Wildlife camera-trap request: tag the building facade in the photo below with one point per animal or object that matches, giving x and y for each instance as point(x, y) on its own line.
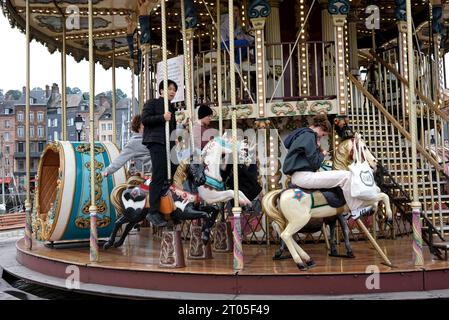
point(38, 135)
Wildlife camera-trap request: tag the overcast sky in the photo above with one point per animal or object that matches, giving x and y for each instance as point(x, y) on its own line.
point(45, 67)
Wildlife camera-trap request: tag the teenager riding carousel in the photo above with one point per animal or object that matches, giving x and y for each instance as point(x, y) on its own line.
point(305, 157)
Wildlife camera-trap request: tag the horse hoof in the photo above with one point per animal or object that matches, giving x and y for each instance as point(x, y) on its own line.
point(107, 245)
point(301, 266)
point(280, 255)
point(311, 263)
point(118, 244)
point(205, 236)
point(350, 255)
point(334, 254)
point(277, 255)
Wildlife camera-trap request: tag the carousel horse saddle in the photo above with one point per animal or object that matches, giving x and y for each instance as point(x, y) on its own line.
point(332, 197)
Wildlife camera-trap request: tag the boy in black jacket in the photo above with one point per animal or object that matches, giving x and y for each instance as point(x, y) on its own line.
point(154, 118)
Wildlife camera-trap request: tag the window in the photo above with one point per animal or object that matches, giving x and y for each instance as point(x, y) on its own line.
point(20, 131)
point(20, 116)
point(40, 131)
point(31, 131)
point(103, 137)
point(7, 149)
point(41, 146)
point(55, 123)
point(6, 136)
point(71, 121)
point(40, 116)
point(103, 126)
point(31, 116)
point(20, 147)
point(7, 124)
point(6, 111)
point(7, 161)
point(56, 138)
point(49, 123)
point(20, 164)
point(110, 137)
point(109, 126)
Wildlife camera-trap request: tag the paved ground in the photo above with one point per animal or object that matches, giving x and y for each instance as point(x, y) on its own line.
point(12, 288)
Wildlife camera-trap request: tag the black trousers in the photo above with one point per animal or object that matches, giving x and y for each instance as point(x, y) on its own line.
point(158, 174)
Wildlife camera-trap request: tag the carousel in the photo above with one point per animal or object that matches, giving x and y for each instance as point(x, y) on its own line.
point(375, 68)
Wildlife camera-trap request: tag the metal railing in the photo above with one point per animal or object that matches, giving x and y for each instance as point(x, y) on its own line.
point(309, 73)
point(389, 139)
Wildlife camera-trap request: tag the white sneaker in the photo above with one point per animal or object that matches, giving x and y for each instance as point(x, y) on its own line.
point(359, 212)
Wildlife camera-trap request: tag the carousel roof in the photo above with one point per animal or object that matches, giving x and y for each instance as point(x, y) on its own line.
point(47, 17)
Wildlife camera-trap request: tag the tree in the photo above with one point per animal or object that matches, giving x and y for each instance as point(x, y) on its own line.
point(13, 95)
point(74, 90)
point(119, 95)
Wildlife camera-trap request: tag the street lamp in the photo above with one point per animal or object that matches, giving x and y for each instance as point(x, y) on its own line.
point(79, 124)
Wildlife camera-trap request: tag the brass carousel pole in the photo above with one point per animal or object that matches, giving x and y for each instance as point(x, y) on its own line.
point(28, 239)
point(258, 16)
point(131, 108)
point(236, 210)
point(416, 205)
point(187, 36)
point(133, 84)
point(165, 77)
point(63, 85)
point(219, 84)
point(93, 206)
point(114, 102)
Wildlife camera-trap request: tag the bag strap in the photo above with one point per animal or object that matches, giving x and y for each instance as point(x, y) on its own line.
point(355, 153)
point(362, 153)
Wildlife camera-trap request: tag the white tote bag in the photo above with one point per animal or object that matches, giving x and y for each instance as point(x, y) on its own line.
point(363, 186)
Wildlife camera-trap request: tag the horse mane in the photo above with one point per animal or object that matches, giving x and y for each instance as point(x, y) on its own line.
point(181, 174)
point(135, 180)
point(116, 198)
point(116, 194)
point(343, 157)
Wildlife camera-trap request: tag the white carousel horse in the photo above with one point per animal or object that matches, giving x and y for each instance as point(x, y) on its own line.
point(313, 226)
point(213, 191)
point(297, 207)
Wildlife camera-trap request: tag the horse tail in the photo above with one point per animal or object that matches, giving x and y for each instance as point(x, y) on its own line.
point(269, 206)
point(116, 198)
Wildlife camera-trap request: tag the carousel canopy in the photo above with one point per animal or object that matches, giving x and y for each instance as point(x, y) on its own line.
point(48, 16)
point(110, 25)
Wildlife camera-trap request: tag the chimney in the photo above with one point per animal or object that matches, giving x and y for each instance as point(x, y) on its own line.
point(55, 88)
point(104, 101)
point(47, 91)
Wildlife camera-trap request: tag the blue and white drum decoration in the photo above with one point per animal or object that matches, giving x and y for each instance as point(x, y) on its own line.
point(62, 199)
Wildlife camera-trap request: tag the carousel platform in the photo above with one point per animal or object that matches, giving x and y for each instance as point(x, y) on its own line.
point(133, 271)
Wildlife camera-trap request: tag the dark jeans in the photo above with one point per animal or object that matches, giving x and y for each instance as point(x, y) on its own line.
point(159, 174)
